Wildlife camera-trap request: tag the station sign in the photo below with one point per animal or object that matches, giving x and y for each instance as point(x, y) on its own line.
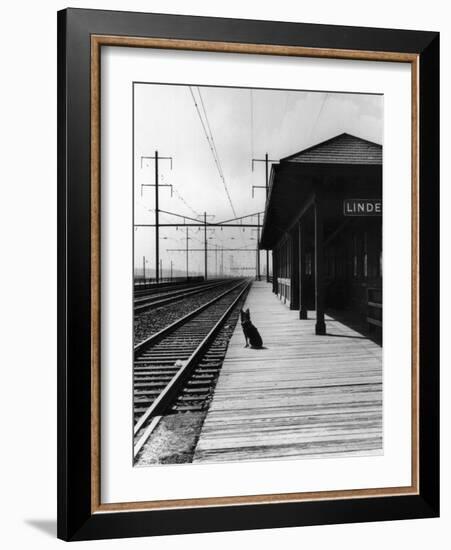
point(362, 207)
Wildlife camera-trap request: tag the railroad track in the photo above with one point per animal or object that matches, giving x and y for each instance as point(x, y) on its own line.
point(176, 369)
point(145, 303)
point(161, 289)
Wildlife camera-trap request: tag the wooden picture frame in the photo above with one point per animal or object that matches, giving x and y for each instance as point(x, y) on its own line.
point(81, 35)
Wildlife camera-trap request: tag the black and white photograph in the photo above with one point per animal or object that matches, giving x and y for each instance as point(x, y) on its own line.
point(257, 274)
point(225, 282)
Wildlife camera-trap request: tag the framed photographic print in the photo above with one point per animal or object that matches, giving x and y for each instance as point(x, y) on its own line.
point(248, 274)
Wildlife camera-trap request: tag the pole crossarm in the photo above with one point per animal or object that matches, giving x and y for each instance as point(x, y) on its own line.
point(213, 224)
point(263, 160)
point(159, 185)
point(267, 162)
point(203, 249)
point(186, 217)
point(155, 157)
point(210, 225)
point(240, 218)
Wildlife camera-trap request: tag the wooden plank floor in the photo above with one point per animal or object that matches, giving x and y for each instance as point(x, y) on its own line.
point(303, 396)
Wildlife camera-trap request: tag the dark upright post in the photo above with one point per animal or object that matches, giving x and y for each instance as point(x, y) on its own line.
point(157, 222)
point(302, 274)
point(187, 272)
point(294, 283)
point(275, 267)
point(320, 327)
point(267, 185)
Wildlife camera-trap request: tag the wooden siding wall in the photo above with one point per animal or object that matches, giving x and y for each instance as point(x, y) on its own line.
point(284, 269)
point(353, 265)
point(352, 268)
point(294, 241)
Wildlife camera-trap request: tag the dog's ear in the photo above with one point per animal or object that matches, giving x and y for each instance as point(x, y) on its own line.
point(248, 311)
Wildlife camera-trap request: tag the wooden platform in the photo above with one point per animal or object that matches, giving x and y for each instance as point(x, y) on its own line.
point(303, 396)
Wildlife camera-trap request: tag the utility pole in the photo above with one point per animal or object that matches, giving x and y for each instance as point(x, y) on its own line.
point(157, 219)
point(205, 243)
point(157, 185)
point(266, 160)
point(171, 270)
point(199, 223)
point(144, 269)
point(187, 238)
point(221, 249)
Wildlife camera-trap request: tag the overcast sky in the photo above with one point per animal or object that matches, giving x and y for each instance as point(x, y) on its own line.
point(245, 124)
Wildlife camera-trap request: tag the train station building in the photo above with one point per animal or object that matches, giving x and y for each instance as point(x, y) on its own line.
point(323, 224)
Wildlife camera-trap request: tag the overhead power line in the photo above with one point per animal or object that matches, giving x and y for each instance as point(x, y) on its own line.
point(180, 197)
point(211, 143)
point(312, 133)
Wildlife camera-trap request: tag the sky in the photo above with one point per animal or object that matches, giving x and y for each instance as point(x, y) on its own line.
point(184, 122)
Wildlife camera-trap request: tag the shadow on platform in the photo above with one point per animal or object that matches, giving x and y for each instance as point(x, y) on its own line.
point(303, 396)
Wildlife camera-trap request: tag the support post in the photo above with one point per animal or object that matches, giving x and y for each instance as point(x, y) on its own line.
point(320, 327)
point(302, 276)
point(258, 250)
point(157, 222)
point(187, 272)
point(294, 286)
point(275, 270)
point(267, 189)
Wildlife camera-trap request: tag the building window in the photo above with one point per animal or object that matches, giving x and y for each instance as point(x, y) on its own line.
point(365, 255)
point(355, 259)
point(308, 263)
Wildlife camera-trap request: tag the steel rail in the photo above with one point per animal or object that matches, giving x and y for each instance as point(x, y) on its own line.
point(166, 397)
point(154, 288)
point(151, 340)
point(176, 295)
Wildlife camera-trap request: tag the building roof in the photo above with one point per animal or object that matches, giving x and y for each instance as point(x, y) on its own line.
point(342, 163)
point(341, 149)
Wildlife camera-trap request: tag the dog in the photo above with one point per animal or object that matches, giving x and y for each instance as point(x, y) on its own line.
point(251, 333)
